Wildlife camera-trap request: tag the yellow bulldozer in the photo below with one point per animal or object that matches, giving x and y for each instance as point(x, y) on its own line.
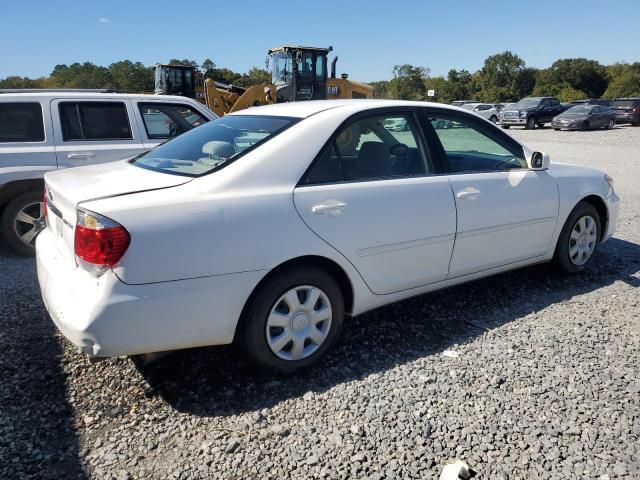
point(297, 73)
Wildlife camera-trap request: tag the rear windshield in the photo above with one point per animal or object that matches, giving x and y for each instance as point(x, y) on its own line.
point(211, 146)
point(625, 103)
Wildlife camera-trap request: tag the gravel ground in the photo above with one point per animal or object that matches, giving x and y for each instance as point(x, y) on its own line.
point(545, 384)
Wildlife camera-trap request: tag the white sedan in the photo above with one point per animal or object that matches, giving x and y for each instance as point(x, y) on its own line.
point(270, 225)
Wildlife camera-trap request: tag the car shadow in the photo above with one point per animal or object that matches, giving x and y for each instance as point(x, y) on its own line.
point(37, 438)
point(218, 381)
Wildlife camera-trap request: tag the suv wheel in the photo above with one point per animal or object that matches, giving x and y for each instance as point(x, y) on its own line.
point(293, 320)
point(22, 220)
point(531, 123)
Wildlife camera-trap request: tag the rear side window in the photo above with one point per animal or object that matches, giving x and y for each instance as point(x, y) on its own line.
point(21, 122)
point(94, 121)
point(168, 120)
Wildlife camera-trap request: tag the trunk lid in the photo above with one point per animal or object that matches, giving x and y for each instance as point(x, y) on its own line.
point(68, 188)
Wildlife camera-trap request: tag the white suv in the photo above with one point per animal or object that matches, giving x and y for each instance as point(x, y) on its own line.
point(44, 130)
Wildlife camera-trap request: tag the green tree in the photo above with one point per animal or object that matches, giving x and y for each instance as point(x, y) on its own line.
point(131, 77)
point(624, 80)
point(439, 85)
point(381, 89)
point(408, 82)
point(581, 74)
point(207, 65)
point(85, 75)
point(255, 76)
point(22, 82)
point(460, 86)
point(500, 77)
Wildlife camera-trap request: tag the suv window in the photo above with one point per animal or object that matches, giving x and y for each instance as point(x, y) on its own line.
point(168, 120)
point(21, 122)
point(380, 146)
point(94, 121)
point(554, 103)
point(472, 148)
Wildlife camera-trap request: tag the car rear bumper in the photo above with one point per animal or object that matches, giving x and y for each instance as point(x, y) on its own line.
point(105, 317)
point(566, 127)
point(627, 118)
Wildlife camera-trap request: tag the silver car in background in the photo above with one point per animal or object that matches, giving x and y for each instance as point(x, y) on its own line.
point(485, 110)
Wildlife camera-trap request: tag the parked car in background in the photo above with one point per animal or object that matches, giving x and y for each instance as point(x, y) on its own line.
point(395, 124)
point(459, 103)
point(585, 117)
point(485, 110)
point(45, 130)
point(593, 101)
point(627, 110)
point(210, 238)
point(531, 112)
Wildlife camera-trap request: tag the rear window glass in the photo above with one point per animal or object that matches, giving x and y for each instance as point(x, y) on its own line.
point(213, 145)
point(625, 103)
point(94, 121)
point(21, 122)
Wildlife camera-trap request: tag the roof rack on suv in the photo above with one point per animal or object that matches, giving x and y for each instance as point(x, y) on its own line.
point(46, 90)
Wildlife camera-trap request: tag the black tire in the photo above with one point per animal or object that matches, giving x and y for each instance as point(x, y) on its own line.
point(531, 123)
point(253, 328)
point(493, 119)
point(540, 126)
point(556, 129)
point(506, 127)
point(561, 258)
point(8, 222)
point(611, 124)
point(584, 126)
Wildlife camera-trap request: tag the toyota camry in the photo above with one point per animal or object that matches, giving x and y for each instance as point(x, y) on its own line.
point(269, 226)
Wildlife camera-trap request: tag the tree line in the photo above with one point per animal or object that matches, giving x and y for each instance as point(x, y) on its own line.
point(504, 77)
point(128, 76)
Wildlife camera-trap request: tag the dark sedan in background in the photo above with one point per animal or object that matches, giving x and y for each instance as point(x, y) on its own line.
point(585, 117)
point(627, 110)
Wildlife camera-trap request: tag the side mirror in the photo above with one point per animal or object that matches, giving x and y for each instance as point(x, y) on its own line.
point(539, 161)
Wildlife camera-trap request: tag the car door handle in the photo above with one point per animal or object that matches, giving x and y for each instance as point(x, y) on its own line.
point(470, 193)
point(330, 207)
point(80, 156)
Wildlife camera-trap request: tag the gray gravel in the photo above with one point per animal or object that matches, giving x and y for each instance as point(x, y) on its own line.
point(546, 383)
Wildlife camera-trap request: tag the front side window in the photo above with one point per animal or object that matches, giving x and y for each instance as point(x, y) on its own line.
point(94, 121)
point(214, 145)
point(377, 147)
point(169, 120)
point(473, 148)
point(21, 122)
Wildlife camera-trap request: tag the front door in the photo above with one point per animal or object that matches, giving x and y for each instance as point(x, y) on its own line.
point(372, 196)
point(506, 211)
point(94, 131)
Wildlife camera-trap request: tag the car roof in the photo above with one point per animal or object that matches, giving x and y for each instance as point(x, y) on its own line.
point(311, 107)
point(90, 94)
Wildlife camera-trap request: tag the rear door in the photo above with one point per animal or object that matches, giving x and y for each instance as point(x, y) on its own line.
point(506, 212)
point(372, 195)
point(94, 130)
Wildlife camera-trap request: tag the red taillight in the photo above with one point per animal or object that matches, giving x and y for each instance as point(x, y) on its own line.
point(99, 242)
point(44, 206)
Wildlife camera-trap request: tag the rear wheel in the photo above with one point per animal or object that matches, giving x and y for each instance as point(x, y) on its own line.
point(531, 123)
point(22, 220)
point(611, 124)
point(293, 320)
point(579, 239)
point(493, 119)
point(506, 127)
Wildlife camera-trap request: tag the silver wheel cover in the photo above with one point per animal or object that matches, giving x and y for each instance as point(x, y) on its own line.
point(29, 222)
point(583, 239)
point(299, 323)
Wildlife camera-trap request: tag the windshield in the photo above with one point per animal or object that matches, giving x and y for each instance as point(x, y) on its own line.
point(528, 102)
point(213, 145)
point(580, 110)
point(470, 106)
point(281, 68)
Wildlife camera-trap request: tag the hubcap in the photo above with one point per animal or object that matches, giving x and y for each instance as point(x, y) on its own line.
point(29, 222)
point(582, 241)
point(299, 323)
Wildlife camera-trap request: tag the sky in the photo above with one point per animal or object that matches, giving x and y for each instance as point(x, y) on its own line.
point(369, 37)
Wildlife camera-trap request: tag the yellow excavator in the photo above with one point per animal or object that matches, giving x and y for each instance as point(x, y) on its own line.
point(297, 73)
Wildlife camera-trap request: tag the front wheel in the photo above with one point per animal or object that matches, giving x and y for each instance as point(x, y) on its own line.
point(584, 126)
point(506, 127)
point(493, 119)
point(22, 220)
point(579, 239)
point(610, 125)
point(531, 123)
point(293, 320)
